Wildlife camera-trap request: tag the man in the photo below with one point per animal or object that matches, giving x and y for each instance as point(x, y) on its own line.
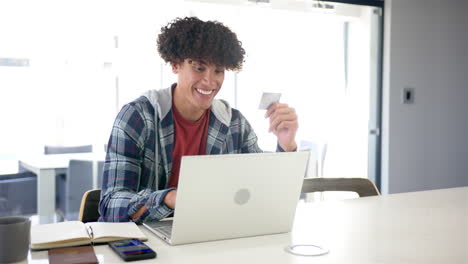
point(152, 133)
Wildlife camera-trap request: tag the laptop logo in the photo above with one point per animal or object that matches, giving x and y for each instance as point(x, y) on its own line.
point(242, 196)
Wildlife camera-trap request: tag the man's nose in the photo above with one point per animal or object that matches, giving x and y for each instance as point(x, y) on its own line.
point(209, 80)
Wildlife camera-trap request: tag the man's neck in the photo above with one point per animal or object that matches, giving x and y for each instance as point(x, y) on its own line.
point(185, 109)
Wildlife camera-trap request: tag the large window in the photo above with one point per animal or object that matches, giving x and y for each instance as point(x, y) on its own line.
point(88, 58)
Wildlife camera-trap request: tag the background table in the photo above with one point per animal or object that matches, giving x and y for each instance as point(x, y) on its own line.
point(47, 167)
point(420, 227)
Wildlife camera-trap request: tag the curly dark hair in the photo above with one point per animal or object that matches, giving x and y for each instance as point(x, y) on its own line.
point(192, 38)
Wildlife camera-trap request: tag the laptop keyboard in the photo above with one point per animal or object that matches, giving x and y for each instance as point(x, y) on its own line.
point(165, 230)
point(164, 227)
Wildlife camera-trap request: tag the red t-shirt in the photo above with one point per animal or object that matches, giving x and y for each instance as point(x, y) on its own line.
point(190, 139)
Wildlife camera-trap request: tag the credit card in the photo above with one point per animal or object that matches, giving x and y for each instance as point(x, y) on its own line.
point(268, 99)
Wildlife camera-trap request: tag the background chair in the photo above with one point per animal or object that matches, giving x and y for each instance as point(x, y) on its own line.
point(320, 152)
point(89, 208)
point(18, 194)
point(315, 167)
point(61, 179)
point(67, 149)
point(78, 180)
point(362, 186)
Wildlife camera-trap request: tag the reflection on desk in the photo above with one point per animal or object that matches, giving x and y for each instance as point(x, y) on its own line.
point(420, 227)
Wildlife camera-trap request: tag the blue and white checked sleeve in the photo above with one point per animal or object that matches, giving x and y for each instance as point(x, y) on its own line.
point(127, 183)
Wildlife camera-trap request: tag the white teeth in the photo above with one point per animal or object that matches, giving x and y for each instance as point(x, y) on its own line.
point(204, 91)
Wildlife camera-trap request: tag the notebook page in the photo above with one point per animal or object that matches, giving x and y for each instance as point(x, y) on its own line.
point(56, 232)
point(103, 232)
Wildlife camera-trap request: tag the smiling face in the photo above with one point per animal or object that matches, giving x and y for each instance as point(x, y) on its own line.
point(197, 85)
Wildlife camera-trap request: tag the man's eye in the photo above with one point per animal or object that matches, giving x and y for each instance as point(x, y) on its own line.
point(200, 69)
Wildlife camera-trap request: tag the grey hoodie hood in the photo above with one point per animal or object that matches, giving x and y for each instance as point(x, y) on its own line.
point(161, 100)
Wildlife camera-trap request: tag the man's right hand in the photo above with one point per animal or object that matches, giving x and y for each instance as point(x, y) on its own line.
point(170, 199)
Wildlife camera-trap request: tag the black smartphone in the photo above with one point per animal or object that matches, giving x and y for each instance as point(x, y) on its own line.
point(132, 249)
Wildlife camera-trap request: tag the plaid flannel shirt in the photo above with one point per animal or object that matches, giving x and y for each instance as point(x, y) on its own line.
point(130, 179)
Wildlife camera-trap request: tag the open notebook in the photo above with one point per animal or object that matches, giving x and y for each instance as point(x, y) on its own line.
point(75, 233)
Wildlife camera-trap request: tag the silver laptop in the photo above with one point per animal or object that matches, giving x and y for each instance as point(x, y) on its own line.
point(235, 195)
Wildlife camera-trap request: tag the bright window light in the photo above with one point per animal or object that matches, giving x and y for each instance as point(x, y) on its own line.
point(88, 58)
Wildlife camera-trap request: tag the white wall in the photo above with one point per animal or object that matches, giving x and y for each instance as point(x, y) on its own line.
point(425, 144)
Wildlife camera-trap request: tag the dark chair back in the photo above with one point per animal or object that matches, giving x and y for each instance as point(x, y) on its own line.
point(18, 194)
point(89, 209)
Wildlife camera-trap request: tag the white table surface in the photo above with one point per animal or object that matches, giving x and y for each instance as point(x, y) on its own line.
point(47, 167)
point(421, 227)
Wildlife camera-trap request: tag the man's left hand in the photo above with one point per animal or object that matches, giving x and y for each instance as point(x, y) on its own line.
point(283, 123)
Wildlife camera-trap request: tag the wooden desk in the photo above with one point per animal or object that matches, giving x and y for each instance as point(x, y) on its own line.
point(420, 227)
point(47, 167)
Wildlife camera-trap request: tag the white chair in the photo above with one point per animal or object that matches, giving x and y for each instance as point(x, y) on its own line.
point(320, 152)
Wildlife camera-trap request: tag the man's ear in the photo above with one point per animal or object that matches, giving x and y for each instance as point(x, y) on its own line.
point(175, 67)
